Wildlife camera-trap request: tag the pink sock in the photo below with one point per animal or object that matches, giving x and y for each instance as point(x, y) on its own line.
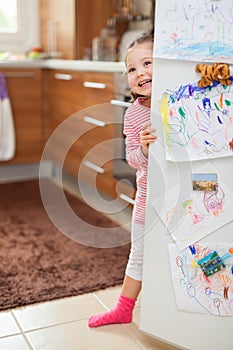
point(121, 313)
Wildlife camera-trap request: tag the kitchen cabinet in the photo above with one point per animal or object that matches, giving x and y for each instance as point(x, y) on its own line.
point(75, 107)
point(81, 118)
point(76, 23)
point(24, 90)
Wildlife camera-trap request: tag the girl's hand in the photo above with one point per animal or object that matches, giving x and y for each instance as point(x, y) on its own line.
point(147, 137)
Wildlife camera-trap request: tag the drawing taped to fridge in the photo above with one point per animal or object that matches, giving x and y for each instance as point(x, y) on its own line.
point(194, 30)
point(193, 215)
point(197, 291)
point(197, 122)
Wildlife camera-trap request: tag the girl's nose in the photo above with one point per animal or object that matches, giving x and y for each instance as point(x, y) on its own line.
point(140, 72)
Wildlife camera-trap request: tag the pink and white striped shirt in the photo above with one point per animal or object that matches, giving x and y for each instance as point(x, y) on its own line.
point(135, 117)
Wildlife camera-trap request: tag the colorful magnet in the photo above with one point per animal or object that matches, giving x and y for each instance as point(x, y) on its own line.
point(211, 264)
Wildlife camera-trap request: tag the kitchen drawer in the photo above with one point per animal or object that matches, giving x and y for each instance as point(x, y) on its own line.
point(82, 89)
point(102, 181)
point(99, 87)
point(96, 165)
point(99, 81)
point(71, 92)
point(67, 87)
point(84, 131)
point(95, 145)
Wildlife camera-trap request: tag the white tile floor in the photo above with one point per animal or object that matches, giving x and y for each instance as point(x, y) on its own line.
point(62, 324)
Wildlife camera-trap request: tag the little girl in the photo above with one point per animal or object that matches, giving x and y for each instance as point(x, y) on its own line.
point(139, 135)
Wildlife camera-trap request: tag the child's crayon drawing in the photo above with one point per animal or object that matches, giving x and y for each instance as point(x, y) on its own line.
point(197, 123)
point(191, 216)
point(195, 30)
point(196, 292)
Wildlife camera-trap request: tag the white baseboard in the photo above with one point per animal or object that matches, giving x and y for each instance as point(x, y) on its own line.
point(23, 172)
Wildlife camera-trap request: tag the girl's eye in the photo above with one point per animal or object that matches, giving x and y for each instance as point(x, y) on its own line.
point(147, 63)
point(131, 70)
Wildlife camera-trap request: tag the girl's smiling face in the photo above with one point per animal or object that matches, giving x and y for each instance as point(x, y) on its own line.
point(139, 62)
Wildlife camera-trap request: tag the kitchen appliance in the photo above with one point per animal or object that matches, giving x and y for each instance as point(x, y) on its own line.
point(198, 321)
point(138, 18)
point(127, 38)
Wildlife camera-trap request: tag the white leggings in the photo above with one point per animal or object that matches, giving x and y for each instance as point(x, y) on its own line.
point(135, 262)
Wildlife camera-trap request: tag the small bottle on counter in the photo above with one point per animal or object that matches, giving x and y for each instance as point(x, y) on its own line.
point(104, 48)
point(98, 49)
point(87, 54)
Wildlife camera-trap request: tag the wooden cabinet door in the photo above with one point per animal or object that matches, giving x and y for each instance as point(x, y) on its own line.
point(91, 16)
point(66, 95)
point(98, 88)
point(77, 22)
point(61, 14)
point(24, 90)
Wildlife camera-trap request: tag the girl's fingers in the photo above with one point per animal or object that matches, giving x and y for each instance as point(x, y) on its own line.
point(145, 126)
point(147, 132)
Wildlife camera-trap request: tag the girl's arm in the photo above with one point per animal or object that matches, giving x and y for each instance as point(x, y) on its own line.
point(137, 144)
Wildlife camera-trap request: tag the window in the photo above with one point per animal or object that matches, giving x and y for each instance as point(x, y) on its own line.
point(8, 16)
point(19, 25)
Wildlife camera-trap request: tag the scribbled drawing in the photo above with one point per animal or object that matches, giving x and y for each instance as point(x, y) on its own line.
point(196, 217)
point(197, 214)
point(194, 30)
point(214, 201)
point(196, 292)
point(197, 123)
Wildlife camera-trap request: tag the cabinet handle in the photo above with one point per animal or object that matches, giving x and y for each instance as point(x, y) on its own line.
point(126, 198)
point(91, 84)
point(94, 167)
point(19, 74)
point(61, 76)
point(94, 121)
point(120, 103)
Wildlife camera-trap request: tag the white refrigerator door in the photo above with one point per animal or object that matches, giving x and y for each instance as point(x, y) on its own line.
point(160, 316)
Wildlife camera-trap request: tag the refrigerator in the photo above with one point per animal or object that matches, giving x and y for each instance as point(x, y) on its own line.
point(187, 293)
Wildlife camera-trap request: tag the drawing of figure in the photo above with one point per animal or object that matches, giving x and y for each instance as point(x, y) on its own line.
point(206, 104)
point(214, 201)
point(215, 125)
point(191, 9)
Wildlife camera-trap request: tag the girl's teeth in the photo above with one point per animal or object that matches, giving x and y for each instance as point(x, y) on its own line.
point(145, 82)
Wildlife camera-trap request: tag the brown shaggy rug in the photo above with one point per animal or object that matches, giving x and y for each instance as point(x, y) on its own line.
point(39, 263)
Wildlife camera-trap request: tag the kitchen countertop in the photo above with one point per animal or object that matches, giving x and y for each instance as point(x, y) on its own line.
point(27, 63)
point(74, 65)
point(86, 65)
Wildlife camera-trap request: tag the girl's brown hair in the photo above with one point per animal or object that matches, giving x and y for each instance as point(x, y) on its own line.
point(141, 40)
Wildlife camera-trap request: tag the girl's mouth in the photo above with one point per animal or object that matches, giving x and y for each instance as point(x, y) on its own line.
point(145, 82)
